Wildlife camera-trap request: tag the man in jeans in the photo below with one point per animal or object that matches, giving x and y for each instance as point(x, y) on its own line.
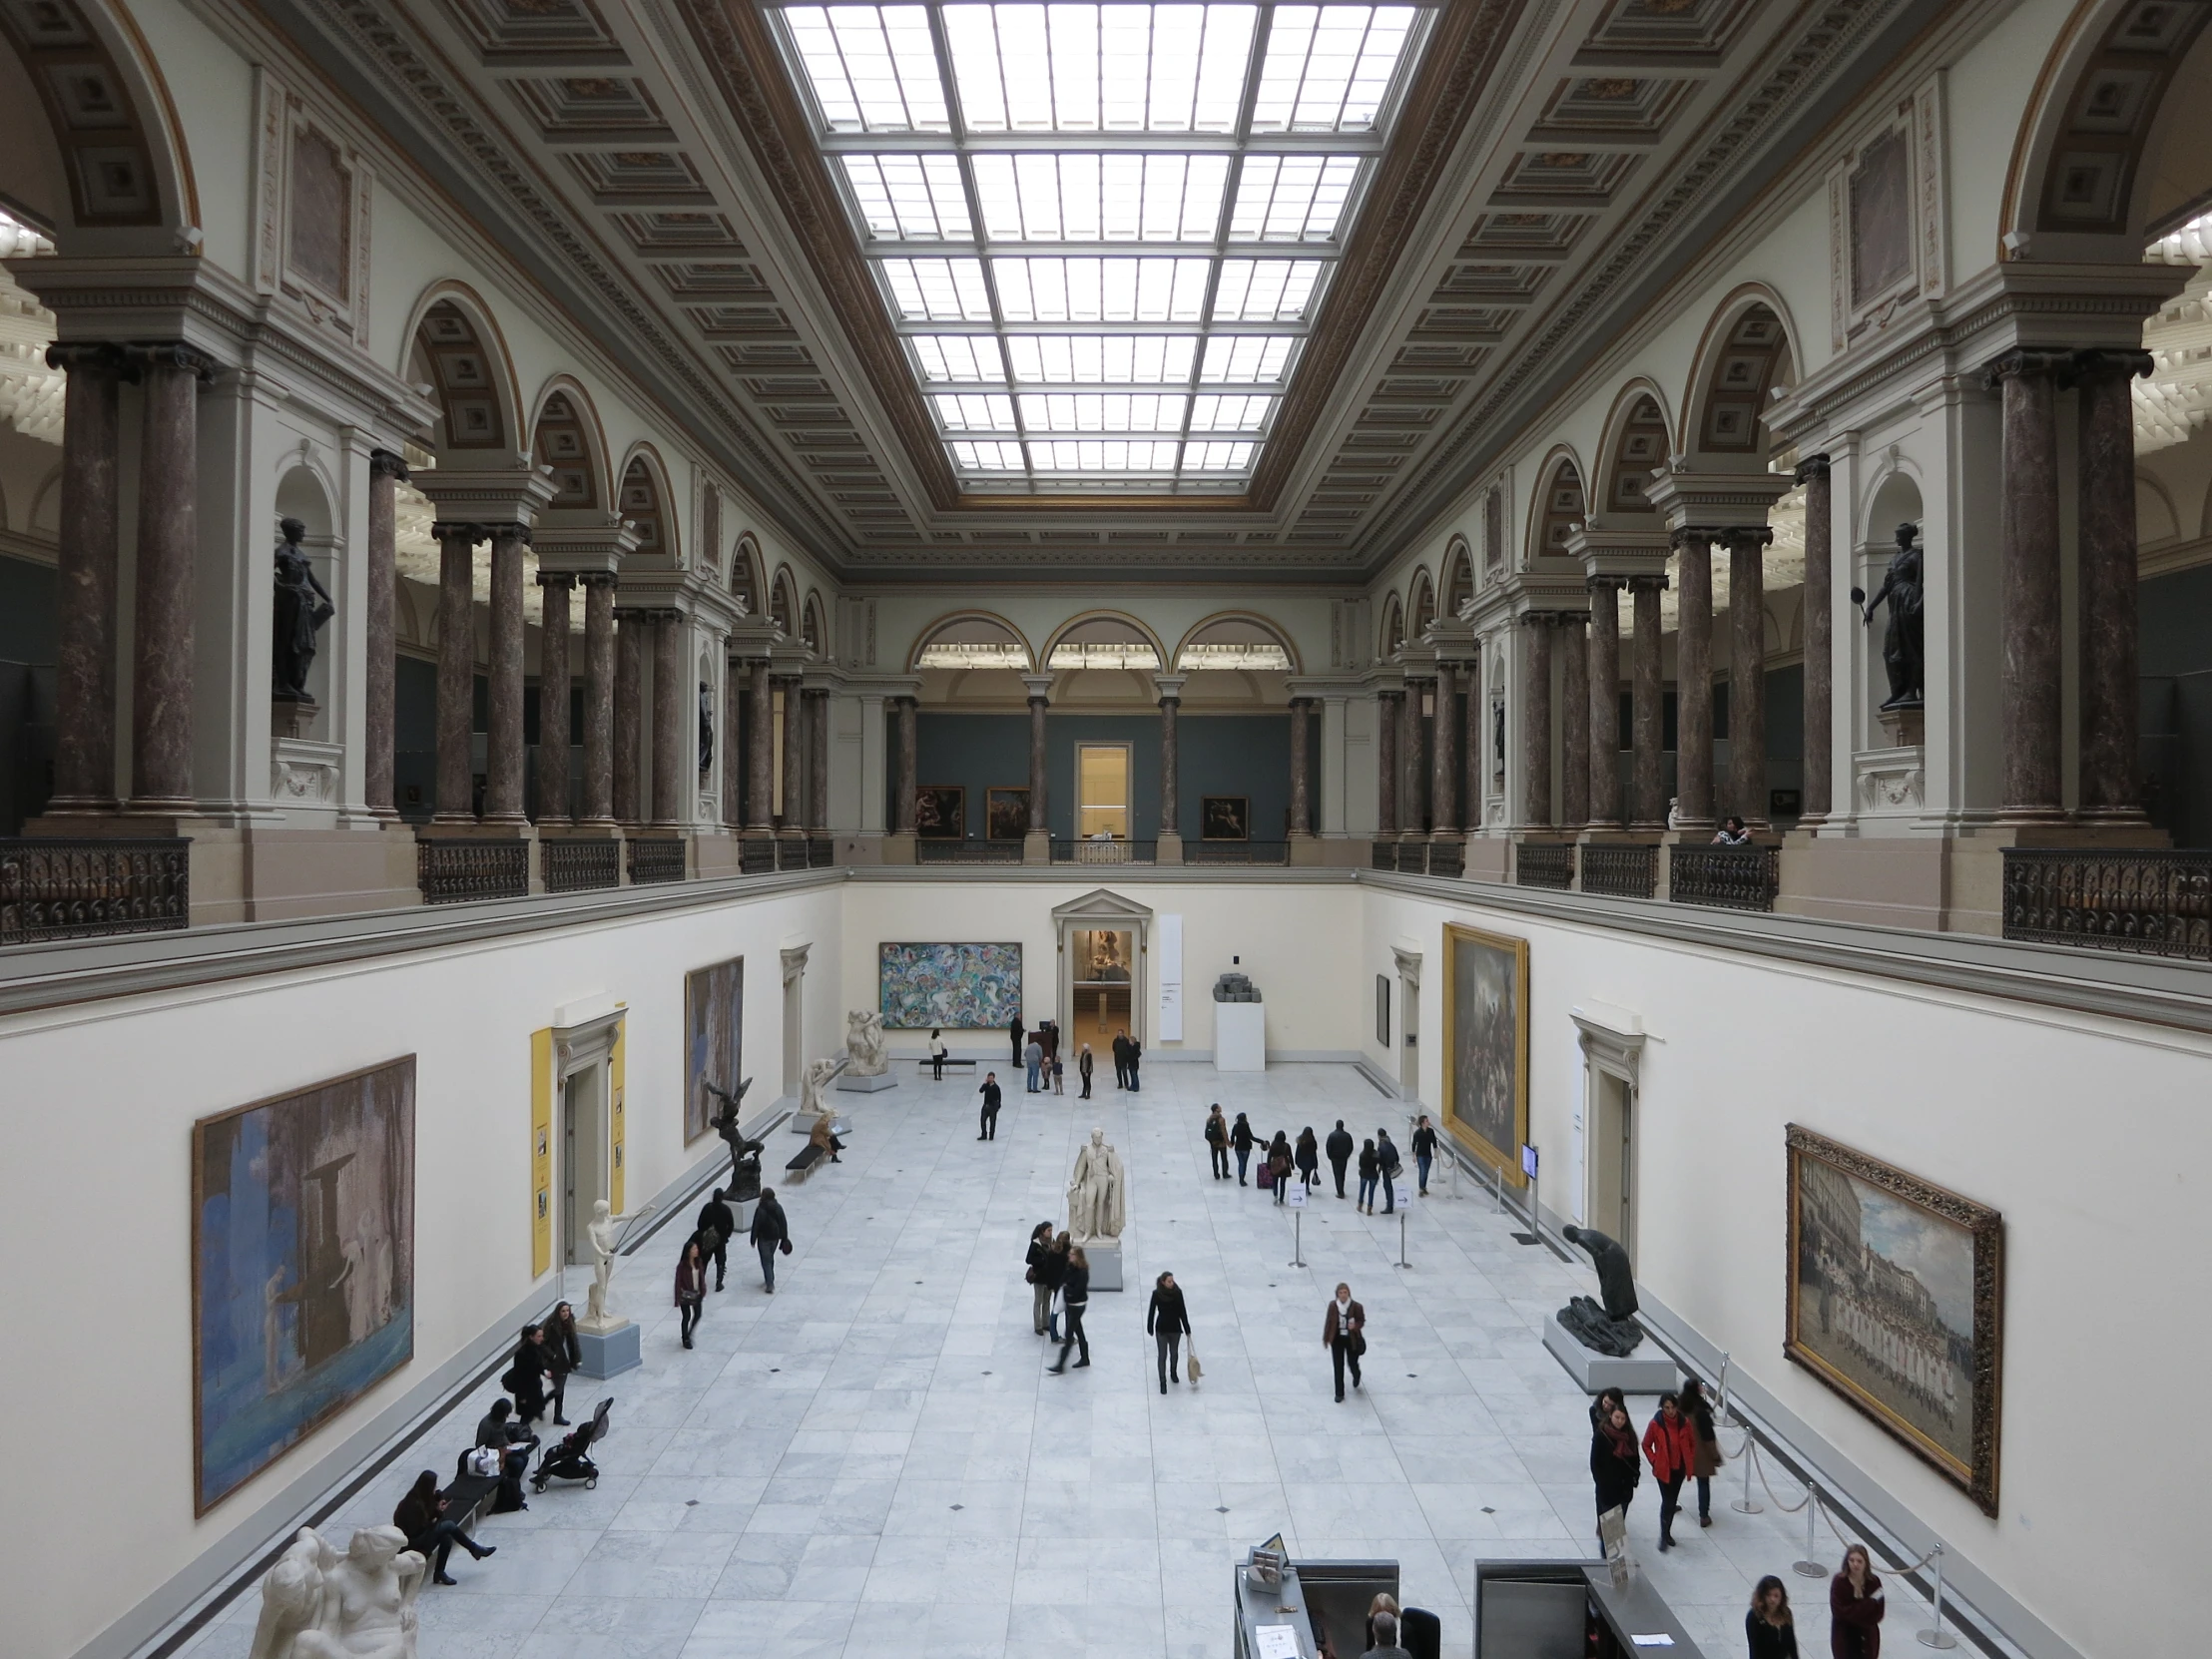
point(1386, 1151)
point(771, 1232)
point(1033, 1058)
point(1424, 1151)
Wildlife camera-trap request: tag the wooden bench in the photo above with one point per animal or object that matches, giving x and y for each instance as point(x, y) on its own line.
point(949, 1063)
point(467, 1497)
point(807, 1156)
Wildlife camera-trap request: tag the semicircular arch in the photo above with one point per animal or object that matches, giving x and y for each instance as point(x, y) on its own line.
point(1221, 627)
point(645, 500)
point(978, 628)
point(1636, 438)
point(1750, 346)
point(567, 435)
point(1559, 503)
point(454, 343)
point(1102, 627)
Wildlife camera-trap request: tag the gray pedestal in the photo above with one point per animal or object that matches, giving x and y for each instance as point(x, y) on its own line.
point(611, 1352)
point(1646, 1371)
point(1105, 1259)
point(850, 1084)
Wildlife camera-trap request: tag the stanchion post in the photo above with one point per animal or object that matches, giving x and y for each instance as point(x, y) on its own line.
point(1720, 1407)
point(1298, 1238)
point(1401, 1261)
point(1938, 1637)
point(1810, 1568)
point(1747, 1504)
point(1497, 1190)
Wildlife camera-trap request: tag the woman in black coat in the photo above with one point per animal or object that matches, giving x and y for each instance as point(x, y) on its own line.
point(1308, 1156)
point(1769, 1631)
point(1166, 1322)
point(1075, 1292)
point(1280, 1164)
point(1370, 1171)
point(422, 1516)
point(1243, 1139)
point(1040, 1288)
point(524, 1376)
point(563, 1354)
point(1616, 1465)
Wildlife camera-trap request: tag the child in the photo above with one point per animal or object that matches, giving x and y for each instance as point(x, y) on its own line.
point(1058, 1071)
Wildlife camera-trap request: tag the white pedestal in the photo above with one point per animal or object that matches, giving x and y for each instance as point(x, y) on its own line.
point(1240, 1036)
point(851, 1084)
point(1649, 1371)
point(1105, 1258)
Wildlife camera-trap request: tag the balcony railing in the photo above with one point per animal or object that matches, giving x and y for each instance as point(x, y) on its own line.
point(1412, 858)
point(656, 859)
point(927, 851)
point(2148, 902)
point(1447, 857)
point(1236, 853)
point(757, 855)
point(1732, 877)
point(56, 889)
point(1383, 854)
point(822, 851)
point(578, 864)
point(1544, 864)
point(1622, 871)
point(456, 871)
point(1105, 853)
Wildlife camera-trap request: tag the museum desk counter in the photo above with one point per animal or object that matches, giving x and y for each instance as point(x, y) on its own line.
point(1571, 1610)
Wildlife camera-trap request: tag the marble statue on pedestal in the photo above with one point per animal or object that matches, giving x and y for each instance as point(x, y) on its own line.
point(602, 1232)
point(863, 1044)
point(1612, 1327)
point(1097, 1193)
point(815, 1082)
point(317, 1604)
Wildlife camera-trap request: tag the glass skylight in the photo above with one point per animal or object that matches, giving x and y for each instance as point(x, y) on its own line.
point(1103, 231)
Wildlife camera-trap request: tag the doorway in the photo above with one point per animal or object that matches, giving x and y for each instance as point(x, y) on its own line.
point(1102, 791)
point(794, 981)
point(1408, 1032)
point(1102, 958)
point(582, 1158)
point(1612, 1207)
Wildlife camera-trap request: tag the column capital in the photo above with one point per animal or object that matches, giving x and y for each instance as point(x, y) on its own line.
point(2106, 363)
point(1812, 467)
point(558, 578)
point(1168, 688)
point(104, 355)
point(460, 530)
point(145, 354)
point(508, 530)
point(2023, 361)
point(383, 463)
point(1656, 582)
point(595, 578)
point(1038, 686)
point(1606, 583)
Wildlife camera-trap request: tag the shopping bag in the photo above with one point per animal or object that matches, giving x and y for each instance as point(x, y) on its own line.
point(1190, 1362)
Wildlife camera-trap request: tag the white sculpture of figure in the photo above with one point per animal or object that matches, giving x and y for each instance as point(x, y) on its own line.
point(1097, 1193)
point(864, 1043)
point(291, 1595)
point(602, 1232)
point(814, 1082)
point(317, 1604)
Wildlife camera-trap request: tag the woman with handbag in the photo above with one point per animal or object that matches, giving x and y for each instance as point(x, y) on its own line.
point(1343, 1333)
point(1615, 1465)
point(1040, 1287)
point(691, 1285)
point(1167, 1322)
point(563, 1355)
point(1076, 1292)
point(770, 1233)
point(1280, 1164)
point(1707, 1462)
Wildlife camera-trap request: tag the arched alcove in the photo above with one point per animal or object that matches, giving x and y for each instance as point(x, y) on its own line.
point(1558, 507)
point(1745, 354)
point(1393, 633)
point(567, 437)
point(1459, 583)
point(302, 494)
point(1635, 444)
point(457, 350)
point(647, 504)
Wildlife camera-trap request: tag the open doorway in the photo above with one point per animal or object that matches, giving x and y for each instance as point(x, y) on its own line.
point(1102, 958)
point(794, 981)
point(1409, 1025)
point(1612, 1197)
point(582, 1158)
point(1102, 791)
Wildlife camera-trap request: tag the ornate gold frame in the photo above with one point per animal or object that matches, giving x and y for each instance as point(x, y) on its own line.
point(1505, 1160)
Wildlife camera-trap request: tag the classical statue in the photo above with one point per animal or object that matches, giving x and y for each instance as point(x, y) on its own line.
point(814, 1083)
point(706, 727)
point(317, 1604)
point(302, 606)
point(1902, 649)
point(864, 1043)
point(1612, 1327)
point(603, 1233)
point(1098, 1193)
point(745, 1155)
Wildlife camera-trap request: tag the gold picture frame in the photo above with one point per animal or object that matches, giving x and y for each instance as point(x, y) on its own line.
point(1486, 1014)
point(1896, 1300)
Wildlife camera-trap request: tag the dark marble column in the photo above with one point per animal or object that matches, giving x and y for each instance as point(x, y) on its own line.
point(1412, 756)
point(1819, 644)
point(457, 668)
point(1443, 783)
point(794, 759)
point(164, 591)
point(733, 723)
point(1386, 723)
point(1746, 672)
point(1605, 697)
point(818, 762)
point(503, 733)
point(2111, 786)
point(2029, 600)
point(553, 684)
point(631, 628)
point(379, 679)
point(1574, 720)
point(1039, 822)
point(1535, 813)
point(902, 775)
point(1302, 779)
point(1474, 741)
point(675, 763)
point(1171, 778)
point(599, 700)
point(1648, 804)
point(84, 712)
point(1693, 680)
point(760, 770)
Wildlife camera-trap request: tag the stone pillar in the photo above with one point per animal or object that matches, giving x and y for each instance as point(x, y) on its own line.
point(1535, 813)
point(673, 697)
point(759, 783)
point(457, 668)
point(599, 700)
point(733, 723)
point(1444, 762)
point(1386, 723)
point(1168, 849)
point(794, 759)
point(1412, 757)
point(1747, 673)
point(1037, 845)
point(1648, 804)
point(1473, 739)
point(1820, 645)
point(630, 633)
point(1574, 720)
point(84, 712)
point(1301, 770)
point(503, 739)
point(2111, 786)
point(553, 684)
point(165, 592)
point(2029, 601)
point(903, 768)
point(1693, 681)
point(818, 762)
point(1605, 695)
point(380, 680)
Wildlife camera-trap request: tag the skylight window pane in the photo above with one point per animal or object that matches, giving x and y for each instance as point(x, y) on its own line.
point(1291, 198)
point(1329, 68)
point(1090, 411)
point(1083, 289)
point(1102, 359)
point(958, 360)
point(1211, 414)
point(937, 290)
point(1120, 68)
point(987, 457)
point(1246, 359)
point(909, 198)
point(1102, 455)
point(1090, 198)
point(1217, 457)
point(871, 68)
point(1268, 291)
point(975, 411)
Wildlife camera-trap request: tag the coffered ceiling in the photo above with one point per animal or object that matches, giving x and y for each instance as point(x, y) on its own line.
point(666, 170)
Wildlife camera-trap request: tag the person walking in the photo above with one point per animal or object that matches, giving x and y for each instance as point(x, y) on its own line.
point(1370, 1171)
point(1242, 1138)
point(1121, 1059)
point(1075, 1292)
point(987, 1125)
point(1280, 1164)
point(1769, 1630)
point(421, 1517)
point(1136, 1053)
point(1424, 1151)
point(1166, 1322)
point(1217, 1141)
point(1386, 1160)
point(1308, 1156)
point(1855, 1608)
point(1670, 1446)
point(1343, 1333)
point(1033, 1058)
point(1055, 1280)
point(563, 1355)
point(1340, 1153)
point(1037, 1276)
point(936, 1055)
point(691, 1285)
point(1707, 1462)
point(1615, 1465)
point(715, 1217)
point(1083, 1064)
point(1014, 1030)
point(772, 1233)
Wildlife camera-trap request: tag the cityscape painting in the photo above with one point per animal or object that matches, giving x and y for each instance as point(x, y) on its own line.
point(951, 987)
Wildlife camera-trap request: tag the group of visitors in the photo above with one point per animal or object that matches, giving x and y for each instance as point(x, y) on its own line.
point(1059, 1276)
point(538, 1373)
point(708, 1244)
point(1281, 1160)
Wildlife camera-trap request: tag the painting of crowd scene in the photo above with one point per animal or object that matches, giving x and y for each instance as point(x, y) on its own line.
point(1486, 1044)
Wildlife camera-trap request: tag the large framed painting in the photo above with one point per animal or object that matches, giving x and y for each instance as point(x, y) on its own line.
point(1486, 1045)
point(952, 988)
point(1224, 818)
point(714, 1040)
point(940, 812)
point(1006, 813)
point(303, 1265)
point(1895, 1300)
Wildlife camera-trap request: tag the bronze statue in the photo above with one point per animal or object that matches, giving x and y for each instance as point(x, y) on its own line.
point(706, 727)
point(745, 1155)
point(1902, 648)
point(1611, 1329)
point(302, 606)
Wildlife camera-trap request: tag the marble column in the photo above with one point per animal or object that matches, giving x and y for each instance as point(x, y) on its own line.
point(1647, 809)
point(1412, 756)
point(902, 772)
point(1693, 681)
point(599, 700)
point(1574, 720)
point(1301, 770)
point(84, 705)
point(1386, 723)
point(1818, 796)
point(165, 592)
point(1474, 741)
point(675, 763)
point(553, 684)
point(2028, 612)
point(1171, 778)
point(1039, 822)
point(2111, 786)
point(630, 632)
point(759, 770)
point(1747, 673)
point(1443, 760)
point(818, 762)
point(379, 679)
point(794, 759)
point(456, 788)
point(733, 723)
point(1535, 813)
point(504, 731)
point(1605, 699)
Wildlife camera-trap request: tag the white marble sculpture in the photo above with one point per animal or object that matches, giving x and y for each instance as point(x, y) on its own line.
point(319, 1604)
point(815, 1082)
point(602, 1232)
point(863, 1044)
point(1098, 1193)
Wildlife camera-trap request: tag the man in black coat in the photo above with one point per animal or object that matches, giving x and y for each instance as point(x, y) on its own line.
point(1014, 1030)
point(1339, 1149)
point(1121, 1060)
point(990, 1094)
point(715, 1217)
point(770, 1233)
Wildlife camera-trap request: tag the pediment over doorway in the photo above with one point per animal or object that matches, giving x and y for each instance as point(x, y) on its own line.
point(1101, 905)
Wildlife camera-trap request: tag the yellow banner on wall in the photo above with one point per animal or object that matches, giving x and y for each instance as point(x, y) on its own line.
point(541, 1152)
point(617, 1118)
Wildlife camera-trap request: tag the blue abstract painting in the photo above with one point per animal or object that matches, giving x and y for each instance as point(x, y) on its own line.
point(303, 1265)
point(955, 987)
point(714, 1040)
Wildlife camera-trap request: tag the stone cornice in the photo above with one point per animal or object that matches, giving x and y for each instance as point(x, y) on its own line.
point(506, 496)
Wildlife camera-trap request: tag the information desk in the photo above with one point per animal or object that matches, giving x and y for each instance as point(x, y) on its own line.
point(1316, 1600)
point(1570, 1610)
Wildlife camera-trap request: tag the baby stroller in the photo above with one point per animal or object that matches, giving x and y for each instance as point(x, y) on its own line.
point(568, 1457)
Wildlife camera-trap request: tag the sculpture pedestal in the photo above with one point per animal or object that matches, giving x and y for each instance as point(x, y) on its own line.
point(607, 1349)
point(1240, 1036)
point(850, 1084)
point(1105, 1259)
point(1646, 1371)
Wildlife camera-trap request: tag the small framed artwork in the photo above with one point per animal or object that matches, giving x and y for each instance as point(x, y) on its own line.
point(940, 812)
point(1224, 818)
point(1382, 1010)
point(1006, 813)
point(1785, 803)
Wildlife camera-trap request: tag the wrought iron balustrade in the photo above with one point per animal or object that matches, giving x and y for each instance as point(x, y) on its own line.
point(822, 851)
point(757, 855)
point(54, 888)
point(1383, 854)
point(950, 852)
point(578, 864)
point(1731, 878)
point(453, 871)
point(2148, 901)
point(1447, 857)
point(1621, 871)
point(656, 859)
point(1118, 851)
point(1544, 864)
point(1236, 853)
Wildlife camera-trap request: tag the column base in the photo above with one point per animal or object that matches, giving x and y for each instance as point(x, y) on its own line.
point(1306, 851)
point(1036, 848)
point(1168, 850)
point(899, 848)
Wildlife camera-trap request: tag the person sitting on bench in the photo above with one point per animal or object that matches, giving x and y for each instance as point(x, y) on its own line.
point(422, 1516)
point(821, 1137)
point(514, 1443)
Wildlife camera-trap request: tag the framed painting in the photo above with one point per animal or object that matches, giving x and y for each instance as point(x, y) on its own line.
point(303, 1265)
point(1896, 1302)
point(1006, 813)
point(1485, 1082)
point(952, 988)
point(1382, 1010)
point(714, 1040)
point(1224, 818)
point(940, 812)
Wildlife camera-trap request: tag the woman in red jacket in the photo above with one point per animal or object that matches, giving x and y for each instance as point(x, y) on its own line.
point(1855, 1608)
point(1670, 1446)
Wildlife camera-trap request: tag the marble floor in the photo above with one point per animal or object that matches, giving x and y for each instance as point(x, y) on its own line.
point(873, 1461)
